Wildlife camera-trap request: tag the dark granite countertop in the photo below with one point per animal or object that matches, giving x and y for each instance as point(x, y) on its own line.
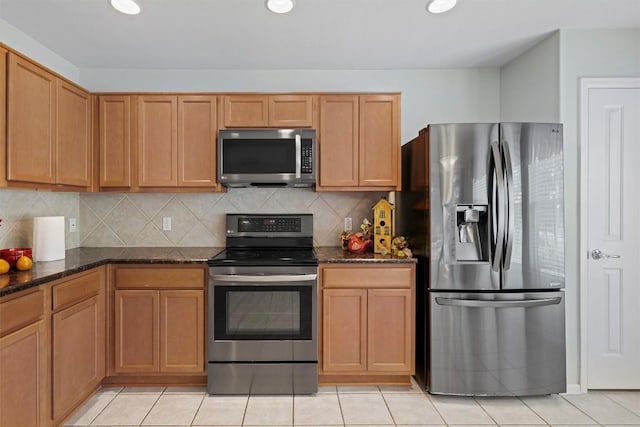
point(82, 259)
point(339, 255)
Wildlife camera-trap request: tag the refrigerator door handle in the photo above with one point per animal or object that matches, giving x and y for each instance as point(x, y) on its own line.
point(497, 203)
point(456, 302)
point(510, 228)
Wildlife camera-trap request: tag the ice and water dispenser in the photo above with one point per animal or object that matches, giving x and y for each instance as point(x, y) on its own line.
point(472, 242)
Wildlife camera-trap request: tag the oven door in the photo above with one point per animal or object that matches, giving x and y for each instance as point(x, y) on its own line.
point(263, 314)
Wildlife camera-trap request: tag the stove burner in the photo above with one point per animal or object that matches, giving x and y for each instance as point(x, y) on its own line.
point(259, 256)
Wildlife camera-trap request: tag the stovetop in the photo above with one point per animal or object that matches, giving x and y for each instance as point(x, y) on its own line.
point(267, 240)
point(265, 257)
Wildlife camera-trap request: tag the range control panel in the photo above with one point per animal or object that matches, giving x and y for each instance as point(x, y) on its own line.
point(269, 224)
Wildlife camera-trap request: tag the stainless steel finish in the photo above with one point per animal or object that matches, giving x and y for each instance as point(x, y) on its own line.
point(262, 305)
point(262, 378)
point(490, 319)
point(298, 156)
point(294, 179)
point(598, 254)
point(233, 220)
point(498, 349)
point(537, 193)
point(458, 179)
point(281, 278)
point(263, 350)
point(510, 204)
point(457, 302)
point(498, 203)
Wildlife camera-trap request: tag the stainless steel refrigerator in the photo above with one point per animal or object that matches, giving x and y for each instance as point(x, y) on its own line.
point(482, 205)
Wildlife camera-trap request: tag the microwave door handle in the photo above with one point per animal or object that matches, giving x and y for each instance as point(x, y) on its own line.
point(298, 156)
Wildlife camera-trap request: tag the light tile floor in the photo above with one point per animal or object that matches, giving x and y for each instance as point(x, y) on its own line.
point(353, 406)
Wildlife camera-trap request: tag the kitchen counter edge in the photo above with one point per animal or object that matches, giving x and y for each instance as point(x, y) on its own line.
point(78, 260)
point(339, 255)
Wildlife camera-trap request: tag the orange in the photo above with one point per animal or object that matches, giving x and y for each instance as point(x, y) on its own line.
point(4, 266)
point(24, 263)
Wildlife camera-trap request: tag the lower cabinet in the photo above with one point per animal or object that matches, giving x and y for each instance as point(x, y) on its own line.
point(23, 361)
point(78, 340)
point(159, 324)
point(368, 324)
point(159, 331)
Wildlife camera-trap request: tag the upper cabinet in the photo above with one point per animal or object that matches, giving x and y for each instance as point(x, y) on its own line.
point(48, 128)
point(73, 135)
point(359, 143)
point(115, 141)
point(158, 141)
point(31, 122)
point(197, 151)
point(55, 135)
point(177, 141)
point(287, 111)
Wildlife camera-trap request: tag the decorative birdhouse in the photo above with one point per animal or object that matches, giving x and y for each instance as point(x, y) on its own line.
point(382, 224)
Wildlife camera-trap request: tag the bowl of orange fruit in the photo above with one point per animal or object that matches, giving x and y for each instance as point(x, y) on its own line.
point(18, 258)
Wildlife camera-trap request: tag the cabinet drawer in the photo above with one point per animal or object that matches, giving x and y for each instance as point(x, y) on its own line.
point(367, 277)
point(76, 289)
point(21, 311)
point(171, 277)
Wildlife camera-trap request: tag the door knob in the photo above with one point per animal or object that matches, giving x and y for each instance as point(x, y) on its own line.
point(597, 254)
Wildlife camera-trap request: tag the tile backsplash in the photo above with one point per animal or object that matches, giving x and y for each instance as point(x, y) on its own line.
point(197, 219)
point(19, 207)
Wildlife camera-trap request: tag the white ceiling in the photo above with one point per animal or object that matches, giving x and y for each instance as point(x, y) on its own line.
point(318, 34)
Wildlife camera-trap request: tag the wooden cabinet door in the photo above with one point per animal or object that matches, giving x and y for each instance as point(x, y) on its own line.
point(197, 150)
point(115, 141)
point(379, 141)
point(390, 334)
point(78, 353)
point(73, 135)
point(136, 331)
point(31, 122)
point(246, 111)
point(23, 377)
point(182, 331)
point(290, 111)
point(157, 141)
point(3, 117)
point(344, 330)
point(338, 141)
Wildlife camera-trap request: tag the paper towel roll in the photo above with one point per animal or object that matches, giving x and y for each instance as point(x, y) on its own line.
point(48, 238)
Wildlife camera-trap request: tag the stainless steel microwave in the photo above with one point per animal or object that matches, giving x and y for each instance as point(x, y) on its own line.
point(267, 157)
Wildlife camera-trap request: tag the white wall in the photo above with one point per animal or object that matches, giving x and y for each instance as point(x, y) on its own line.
point(428, 96)
point(530, 84)
point(16, 39)
point(585, 53)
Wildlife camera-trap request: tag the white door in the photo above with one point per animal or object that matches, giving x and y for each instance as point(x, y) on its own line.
point(612, 282)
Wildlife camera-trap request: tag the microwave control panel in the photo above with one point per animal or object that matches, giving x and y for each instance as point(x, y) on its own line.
point(307, 156)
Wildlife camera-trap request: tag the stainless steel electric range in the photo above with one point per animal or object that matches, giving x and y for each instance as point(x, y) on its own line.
point(263, 307)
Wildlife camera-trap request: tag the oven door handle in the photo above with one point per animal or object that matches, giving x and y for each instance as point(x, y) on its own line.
point(262, 279)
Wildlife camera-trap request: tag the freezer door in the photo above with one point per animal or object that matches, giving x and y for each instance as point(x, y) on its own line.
point(460, 211)
point(533, 167)
point(497, 344)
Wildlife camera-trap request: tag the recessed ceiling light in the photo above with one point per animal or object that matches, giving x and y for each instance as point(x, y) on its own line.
point(280, 6)
point(130, 7)
point(440, 6)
